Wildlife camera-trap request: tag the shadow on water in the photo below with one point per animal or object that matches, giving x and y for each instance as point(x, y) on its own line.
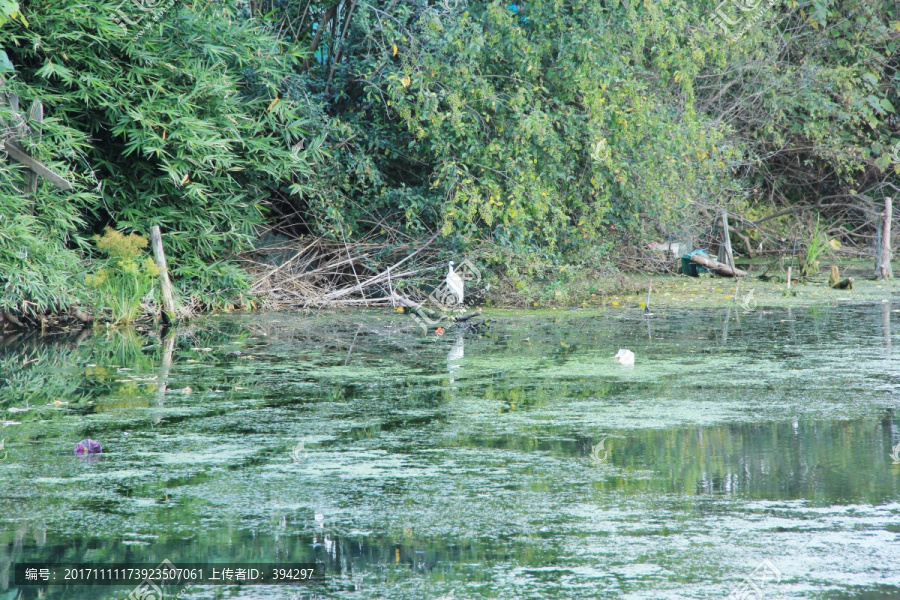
point(409, 466)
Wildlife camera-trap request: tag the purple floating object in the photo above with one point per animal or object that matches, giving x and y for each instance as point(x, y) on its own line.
point(88, 446)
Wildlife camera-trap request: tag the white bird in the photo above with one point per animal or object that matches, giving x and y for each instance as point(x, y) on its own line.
point(624, 357)
point(455, 283)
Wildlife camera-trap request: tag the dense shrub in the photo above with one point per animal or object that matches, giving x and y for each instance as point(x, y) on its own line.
point(181, 127)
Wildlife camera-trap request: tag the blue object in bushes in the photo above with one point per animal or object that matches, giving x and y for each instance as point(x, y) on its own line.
point(689, 267)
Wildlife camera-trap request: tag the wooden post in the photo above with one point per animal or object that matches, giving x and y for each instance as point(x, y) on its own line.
point(886, 271)
point(789, 276)
point(729, 256)
point(168, 312)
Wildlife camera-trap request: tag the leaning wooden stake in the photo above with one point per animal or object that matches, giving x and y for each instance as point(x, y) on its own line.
point(729, 255)
point(886, 272)
point(168, 312)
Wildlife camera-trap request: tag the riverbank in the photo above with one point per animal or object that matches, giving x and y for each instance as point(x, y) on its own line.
point(629, 290)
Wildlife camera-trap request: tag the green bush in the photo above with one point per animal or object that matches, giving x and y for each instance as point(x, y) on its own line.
point(182, 128)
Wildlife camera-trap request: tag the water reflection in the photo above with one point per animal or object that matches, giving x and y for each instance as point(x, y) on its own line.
point(741, 433)
point(455, 356)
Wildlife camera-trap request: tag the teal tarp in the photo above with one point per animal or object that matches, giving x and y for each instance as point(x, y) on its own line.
point(689, 267)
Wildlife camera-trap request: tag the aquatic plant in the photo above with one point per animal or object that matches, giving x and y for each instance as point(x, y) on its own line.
point(126, 277)
point(814, 249)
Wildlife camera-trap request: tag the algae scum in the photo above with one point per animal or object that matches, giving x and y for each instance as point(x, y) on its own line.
point(522, 463)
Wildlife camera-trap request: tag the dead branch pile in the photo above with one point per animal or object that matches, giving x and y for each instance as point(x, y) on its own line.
point(313, 272)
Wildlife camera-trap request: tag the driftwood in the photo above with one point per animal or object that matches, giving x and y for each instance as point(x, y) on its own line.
point(12, 319)
point(835, 276)
point(467, 316)
point(80, 315)
point(719, 268)
point(846, 284)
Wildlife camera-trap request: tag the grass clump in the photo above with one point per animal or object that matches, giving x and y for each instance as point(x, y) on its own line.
point(814, 250)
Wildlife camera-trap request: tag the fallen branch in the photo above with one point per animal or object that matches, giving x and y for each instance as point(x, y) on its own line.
point(467, 316)
point(720, 268)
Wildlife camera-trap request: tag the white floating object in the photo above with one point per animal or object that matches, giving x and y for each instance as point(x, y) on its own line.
point(624, 357)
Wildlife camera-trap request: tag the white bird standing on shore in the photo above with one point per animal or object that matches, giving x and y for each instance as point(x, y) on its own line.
point(455, 283)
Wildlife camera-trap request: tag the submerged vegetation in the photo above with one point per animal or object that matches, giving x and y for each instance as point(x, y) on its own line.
point(547, 140)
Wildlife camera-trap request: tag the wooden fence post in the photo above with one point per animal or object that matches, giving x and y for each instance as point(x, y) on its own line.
point(168, 311)
point(886, 270)
point(729, 256)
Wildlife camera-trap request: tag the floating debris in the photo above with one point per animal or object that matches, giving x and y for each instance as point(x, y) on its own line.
point(88, 446)
point(624, 357)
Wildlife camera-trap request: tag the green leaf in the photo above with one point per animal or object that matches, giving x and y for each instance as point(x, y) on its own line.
point(5, 63)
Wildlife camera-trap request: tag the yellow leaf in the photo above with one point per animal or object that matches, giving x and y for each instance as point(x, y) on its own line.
point(272, 104)
point(185, 180)
point(395, 50)
point(405, 80)
point(835, 244)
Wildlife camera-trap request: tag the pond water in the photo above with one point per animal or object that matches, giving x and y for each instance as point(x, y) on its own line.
point(740, 444)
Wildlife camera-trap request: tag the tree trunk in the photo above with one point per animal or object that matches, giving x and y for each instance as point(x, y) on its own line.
point(329, 14)
point(168, 312)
